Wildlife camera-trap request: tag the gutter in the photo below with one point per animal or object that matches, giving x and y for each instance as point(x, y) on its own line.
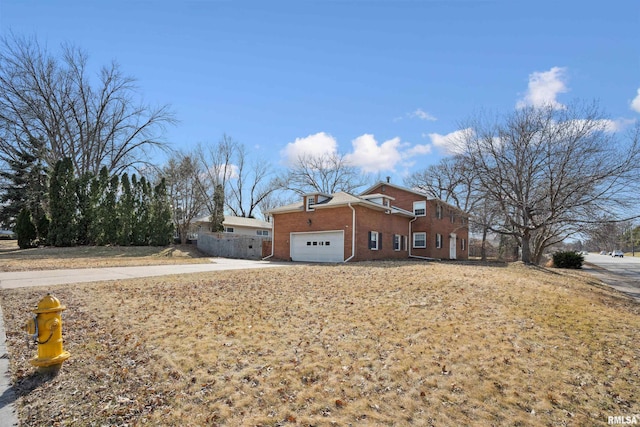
point(273, 239)
point(353, 234)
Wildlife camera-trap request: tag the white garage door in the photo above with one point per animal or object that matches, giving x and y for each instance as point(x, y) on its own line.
point(327, 246)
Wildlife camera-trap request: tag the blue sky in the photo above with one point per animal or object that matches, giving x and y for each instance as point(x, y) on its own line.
point(384, 82)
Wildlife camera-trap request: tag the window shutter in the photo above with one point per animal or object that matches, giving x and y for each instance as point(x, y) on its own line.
point(379, 241)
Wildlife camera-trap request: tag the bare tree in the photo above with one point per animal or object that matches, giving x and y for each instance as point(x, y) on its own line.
point(184, 188)
point(95, 122)
point(246, 182)
point(551, 171)
point(251, 186)
point(604, 234)
point(275, 199)
point(216, 162)
point(453, 181)
point(328, 173)
point(450, 180)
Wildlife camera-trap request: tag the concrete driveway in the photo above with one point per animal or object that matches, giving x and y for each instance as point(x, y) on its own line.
point(622, 274)
point(20, 279)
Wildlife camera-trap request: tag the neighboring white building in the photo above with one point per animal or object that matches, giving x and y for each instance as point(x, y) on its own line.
point(237, 225)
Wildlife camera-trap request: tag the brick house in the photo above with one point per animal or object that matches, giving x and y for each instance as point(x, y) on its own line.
point(384, 222)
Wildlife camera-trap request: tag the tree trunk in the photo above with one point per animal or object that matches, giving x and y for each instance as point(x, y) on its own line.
point(526, 247)
point(483, 245)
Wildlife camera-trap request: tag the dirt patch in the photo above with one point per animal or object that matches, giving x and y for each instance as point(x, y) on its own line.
point(12, 258)
point(393, 343)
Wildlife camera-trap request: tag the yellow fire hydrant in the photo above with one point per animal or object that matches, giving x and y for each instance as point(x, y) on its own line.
point(45, 328)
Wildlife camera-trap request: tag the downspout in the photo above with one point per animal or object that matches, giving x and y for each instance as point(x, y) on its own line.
point(273, 238)
point(353, 234)
point(411, 244)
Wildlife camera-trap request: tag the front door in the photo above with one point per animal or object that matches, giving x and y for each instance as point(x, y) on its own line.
point(452, 246)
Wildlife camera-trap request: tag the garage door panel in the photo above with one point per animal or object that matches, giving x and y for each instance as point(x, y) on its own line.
point(318, 247)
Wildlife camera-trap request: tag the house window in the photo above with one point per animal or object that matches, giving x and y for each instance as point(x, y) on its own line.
point(262, 232)
point(310, 202)
point(420, 208)
point(439, 211)
point(438, 241)
point(374, 240)
point(396, 242)
point(463, 244)
point(452, 216)
point(229, 229)
point(419, 240)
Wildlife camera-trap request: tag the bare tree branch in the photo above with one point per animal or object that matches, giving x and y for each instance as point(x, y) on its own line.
point(95, 125)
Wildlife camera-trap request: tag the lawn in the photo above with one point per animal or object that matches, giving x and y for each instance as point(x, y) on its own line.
point(371, 344)
point(12, 258)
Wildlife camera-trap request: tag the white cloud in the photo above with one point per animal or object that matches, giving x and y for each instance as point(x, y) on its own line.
point(604, 125)
point(612, 126)
point(371, 157)
point(544, 87)
point(315, 145)
point(418, 114)
point(635, 104)
point(418, 150)
point(450, 142)
point(367, 153)
point(422, 115)
point(232, 171)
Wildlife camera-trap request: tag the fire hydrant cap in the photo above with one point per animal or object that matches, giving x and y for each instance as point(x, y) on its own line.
point(49, 304)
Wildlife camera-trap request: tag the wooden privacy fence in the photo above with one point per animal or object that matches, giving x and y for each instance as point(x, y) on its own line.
point(228, 245)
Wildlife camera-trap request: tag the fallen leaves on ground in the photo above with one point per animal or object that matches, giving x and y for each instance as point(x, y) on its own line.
point(384, 343)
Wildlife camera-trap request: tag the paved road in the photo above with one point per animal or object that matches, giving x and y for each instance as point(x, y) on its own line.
point(622, 274)
point(21, 279)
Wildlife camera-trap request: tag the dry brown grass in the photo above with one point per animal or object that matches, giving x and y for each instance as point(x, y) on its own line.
point(12, 258)
point(398, 343)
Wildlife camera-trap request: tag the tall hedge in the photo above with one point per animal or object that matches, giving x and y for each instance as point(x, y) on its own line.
point(25, 230)
point(63, 204)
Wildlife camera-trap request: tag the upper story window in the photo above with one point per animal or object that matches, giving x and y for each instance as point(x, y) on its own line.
point(439, 211)
point(310, 202)
point(229, 229)
point(420, 208)
point(262, 232)
point(452, 215)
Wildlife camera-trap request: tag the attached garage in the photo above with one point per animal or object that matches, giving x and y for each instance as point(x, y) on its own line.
point(324, 246)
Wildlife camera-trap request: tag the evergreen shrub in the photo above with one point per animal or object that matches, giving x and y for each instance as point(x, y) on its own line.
point(568, 259)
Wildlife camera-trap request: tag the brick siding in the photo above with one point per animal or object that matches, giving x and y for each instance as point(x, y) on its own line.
point(340, 218)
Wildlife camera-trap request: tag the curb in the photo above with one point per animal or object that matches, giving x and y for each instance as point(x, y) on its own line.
point(8, 416)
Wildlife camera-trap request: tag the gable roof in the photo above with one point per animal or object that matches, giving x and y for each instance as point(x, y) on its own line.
point(417, 193)
point(398, 187)
point(237, 221)
point(339, 199)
